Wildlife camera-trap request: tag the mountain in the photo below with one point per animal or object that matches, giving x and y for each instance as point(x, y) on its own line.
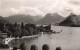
point(2, 20)
point(51, 18)
point(71, 20)
point(20, 18)
point(36, 18)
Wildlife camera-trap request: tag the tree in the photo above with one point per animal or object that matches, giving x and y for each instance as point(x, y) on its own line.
point(34, 47)
point(30, 30)
point(22, 25)
point(23, 46)
point(15, 24)
point(14, 48)
point(58, 48)
point(1, 26)
point(45, 47)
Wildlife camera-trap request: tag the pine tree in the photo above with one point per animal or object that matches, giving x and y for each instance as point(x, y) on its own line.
point(23, 46)
point(15, 24)
point(22, 25)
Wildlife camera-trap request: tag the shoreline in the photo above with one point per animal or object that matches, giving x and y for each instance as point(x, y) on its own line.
point(7, 40)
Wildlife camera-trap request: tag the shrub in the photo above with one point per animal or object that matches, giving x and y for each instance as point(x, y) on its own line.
point(23, 46)
point(4, 46)
point(34, 47)
point(14, 48)
point(58, 48)
point(45, 47)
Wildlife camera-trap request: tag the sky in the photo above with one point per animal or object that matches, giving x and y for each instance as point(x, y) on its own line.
point(39, 7)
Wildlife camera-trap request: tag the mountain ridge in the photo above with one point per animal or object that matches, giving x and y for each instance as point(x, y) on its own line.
point(71, 20)
point(20, 18)
point(51, 18)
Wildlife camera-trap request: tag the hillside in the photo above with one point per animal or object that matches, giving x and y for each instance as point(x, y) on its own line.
point(36, 18)
point(51, 19)
point(2, 20)
point(71, 20)
point(20, 18)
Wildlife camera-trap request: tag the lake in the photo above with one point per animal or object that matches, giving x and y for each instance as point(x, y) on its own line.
point(68, 39)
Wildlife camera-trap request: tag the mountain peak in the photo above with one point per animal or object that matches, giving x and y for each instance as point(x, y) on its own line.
point(51, 18)
point(20, 18)
point(71, 20)
point(56, 14)
point(72, 14)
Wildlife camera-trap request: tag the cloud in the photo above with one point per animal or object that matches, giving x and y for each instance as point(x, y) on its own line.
point(39, 7)
point(75, 2)
point(23, 10)
point(64, 7)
